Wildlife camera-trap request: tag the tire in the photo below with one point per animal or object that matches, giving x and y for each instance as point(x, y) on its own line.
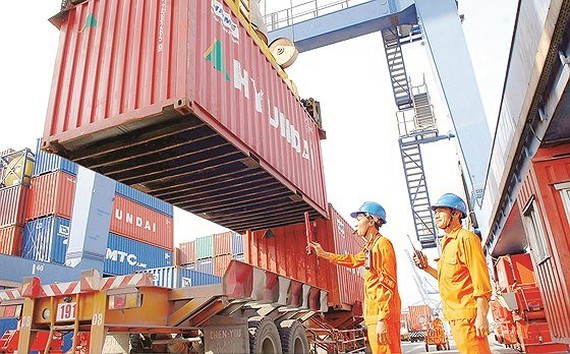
point(293, 337)
point(263, 336)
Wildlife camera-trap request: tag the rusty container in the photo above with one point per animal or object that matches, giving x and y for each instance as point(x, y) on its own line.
point(176, 99)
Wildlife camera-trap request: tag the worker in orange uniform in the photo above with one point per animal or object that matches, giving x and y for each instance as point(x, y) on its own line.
point(381, 300)
point(462, 276)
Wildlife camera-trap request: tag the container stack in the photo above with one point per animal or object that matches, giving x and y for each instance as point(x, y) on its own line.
point(141, 229)
point(16, 171)
point(178, 277)
point(212, 254)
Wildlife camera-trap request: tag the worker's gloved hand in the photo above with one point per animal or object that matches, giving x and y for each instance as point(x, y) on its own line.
point(316, 247)
point(382, 332)
point(420, 260)
point(481, 325)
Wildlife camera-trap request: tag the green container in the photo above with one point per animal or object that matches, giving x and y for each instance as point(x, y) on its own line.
point(205, 247)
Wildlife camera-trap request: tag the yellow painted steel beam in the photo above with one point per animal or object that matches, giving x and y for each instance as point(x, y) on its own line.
point(98, 330)
point(26, 326)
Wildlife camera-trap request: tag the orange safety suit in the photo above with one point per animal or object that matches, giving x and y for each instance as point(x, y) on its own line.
point(381, 297)
point(462, 277)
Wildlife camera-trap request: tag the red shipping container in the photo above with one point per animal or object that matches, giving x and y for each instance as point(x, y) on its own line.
point(13, 201)
point(11, 240)
point(51, 194)
point(221, 264)
point(419, 317)
point(185, 84)
point(514, 270)
point(545, 184)
point(140, 223)
point(223, 243)
point(188, 252)
point(176, 257)
point(283, 251)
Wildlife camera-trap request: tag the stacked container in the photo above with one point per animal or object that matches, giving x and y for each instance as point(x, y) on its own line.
point(213, 253)
point(141, 229)
point(14, 190)
point(177, 277)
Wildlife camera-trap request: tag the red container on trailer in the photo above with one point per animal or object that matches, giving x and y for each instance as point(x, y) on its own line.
point(223, 243)
point(188, 252)
point(11, 240)
point(51, 194)
point(283, 250)
point(177, 99)
point(140, 223)
point(13, 201)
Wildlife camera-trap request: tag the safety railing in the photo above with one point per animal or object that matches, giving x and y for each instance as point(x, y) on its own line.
point(305, 11)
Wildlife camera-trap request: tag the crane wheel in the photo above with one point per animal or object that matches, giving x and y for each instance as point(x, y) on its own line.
point(293, 337)
point(263, 336)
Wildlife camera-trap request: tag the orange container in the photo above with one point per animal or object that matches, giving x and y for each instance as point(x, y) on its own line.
point(283, 250)
point(419, 318)
point(188, 252)
point(51, 194)
point(140, 223)
point(11, 240)
point(13, 201)
point(221, 263)
point(223, 243)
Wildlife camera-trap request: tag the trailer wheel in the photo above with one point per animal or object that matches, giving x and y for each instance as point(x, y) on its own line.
point(263, 336)
point(293, 337)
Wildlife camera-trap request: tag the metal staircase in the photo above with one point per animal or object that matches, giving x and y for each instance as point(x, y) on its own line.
point(417, 190)
point(396, 68)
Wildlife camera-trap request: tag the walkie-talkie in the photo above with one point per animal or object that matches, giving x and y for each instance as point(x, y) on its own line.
point(418, 253)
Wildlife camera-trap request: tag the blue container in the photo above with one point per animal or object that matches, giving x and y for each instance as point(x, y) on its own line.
point(144, 199)
point(237, 244)
point(176, 277)
point(47, 162)
point(125, 256)
point(7, 324)
point(205, 265)
point(45, 239)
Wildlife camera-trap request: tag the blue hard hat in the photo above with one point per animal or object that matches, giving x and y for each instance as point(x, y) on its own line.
point(371, 208)
point(450, 200)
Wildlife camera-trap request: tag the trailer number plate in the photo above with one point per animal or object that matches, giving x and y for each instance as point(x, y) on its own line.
point(65, 312)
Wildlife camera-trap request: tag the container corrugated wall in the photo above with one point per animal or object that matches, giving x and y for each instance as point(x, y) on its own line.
point(13, 202)
point(419, 317)
point(221, 264)
point(138, 97)
point(237, 243)
point(204, 247)
point(546, 182)
point(47, 162)
point(350, 279)
point(146, 225)
point(222, 243)
point(188, 252)
point(125, 256)
point(144, 199)
point(11, 240)
point(175, 277)
point(46, 239)
point(51, 194)
point(205, 265)
point(8, 323)
point(283, 251)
